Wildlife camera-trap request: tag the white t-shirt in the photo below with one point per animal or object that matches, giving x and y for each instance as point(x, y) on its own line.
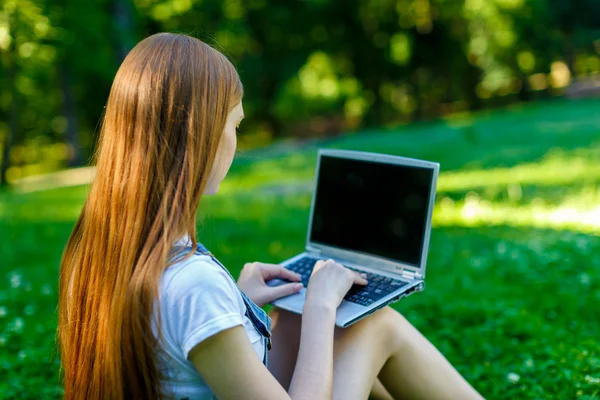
point(197, 299)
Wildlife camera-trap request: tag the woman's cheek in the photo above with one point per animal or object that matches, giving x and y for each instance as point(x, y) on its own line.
point(232, 144)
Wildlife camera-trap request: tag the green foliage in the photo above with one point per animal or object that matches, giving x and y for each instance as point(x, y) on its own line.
point(511, 303)
point(310, 68)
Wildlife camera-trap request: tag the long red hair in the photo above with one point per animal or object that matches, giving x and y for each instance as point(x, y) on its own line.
point(160, 135)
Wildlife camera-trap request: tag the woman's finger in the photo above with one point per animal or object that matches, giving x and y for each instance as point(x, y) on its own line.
point(274, 293)
point(360, 279)
point(272, 271)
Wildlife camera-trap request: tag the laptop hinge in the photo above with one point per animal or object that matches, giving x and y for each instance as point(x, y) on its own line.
point(313, 250)
point(408, 274)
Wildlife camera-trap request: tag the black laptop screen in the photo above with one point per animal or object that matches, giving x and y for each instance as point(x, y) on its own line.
point(372, 207)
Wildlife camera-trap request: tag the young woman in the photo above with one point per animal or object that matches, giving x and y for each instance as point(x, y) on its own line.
point(146, 313)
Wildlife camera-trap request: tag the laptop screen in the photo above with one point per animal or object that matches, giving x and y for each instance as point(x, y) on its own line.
point(371, 207)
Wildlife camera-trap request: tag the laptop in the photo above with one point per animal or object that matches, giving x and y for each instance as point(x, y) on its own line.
point(372, 213)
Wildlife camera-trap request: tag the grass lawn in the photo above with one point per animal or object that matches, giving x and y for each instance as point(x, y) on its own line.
point(513, 283)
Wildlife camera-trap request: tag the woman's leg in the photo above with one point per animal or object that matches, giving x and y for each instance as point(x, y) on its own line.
point(379, 392)
point(383, 346)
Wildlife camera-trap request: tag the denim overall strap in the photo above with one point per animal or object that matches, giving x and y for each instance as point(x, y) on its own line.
point(258, 317)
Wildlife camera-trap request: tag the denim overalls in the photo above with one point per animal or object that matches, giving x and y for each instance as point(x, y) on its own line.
point(258, 317)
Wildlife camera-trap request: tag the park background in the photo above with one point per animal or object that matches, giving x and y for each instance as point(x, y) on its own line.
point(502, 93)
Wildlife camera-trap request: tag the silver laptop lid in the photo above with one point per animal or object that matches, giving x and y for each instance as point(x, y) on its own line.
point(398, 196)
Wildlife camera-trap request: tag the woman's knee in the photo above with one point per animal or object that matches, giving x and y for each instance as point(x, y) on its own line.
point(379, 325)
point(391, 326)
point(393, 318)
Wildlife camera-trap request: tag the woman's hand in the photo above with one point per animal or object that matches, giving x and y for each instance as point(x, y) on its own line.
point(254, 277)
point(329, 283)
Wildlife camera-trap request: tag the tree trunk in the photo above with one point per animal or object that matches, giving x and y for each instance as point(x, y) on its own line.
point(69, 109)
point(366, 62)
point(269, 83)
point(14, 116)
point(269, 88)
point(123, 20)
point(569, 50)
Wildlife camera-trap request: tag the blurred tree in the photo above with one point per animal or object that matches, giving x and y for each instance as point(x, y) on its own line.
point(89, 50)
point(578, 24)
point(10, 65)
point(20, 23)
point(316, 67)
point(70, 114)
point(124, 37)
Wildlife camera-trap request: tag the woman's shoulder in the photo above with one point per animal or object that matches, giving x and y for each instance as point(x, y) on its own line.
point(197, 299)
point(197, 272)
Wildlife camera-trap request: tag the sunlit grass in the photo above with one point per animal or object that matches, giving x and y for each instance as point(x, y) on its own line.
point(475, 211)
point(560, 191)
point(497, 196)
point(294, 167)
point(58, 205)
point(558, 167)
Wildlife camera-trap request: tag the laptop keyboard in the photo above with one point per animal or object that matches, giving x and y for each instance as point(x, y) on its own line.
point(378, 286)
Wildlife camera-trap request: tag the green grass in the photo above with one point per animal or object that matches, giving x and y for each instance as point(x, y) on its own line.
point(513, 281)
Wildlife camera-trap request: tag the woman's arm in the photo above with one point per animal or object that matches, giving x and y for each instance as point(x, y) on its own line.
point(313, 375)
point(229, 365)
